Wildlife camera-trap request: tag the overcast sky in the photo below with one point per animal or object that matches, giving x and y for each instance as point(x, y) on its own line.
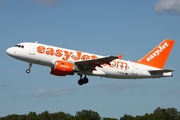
point(105, 27)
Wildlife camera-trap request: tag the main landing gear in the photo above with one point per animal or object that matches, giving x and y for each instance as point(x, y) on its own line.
point(82, 80)
point(29, 69)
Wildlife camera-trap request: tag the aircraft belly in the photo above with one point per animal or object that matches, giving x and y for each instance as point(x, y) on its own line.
point(41, 60)
point(117, 73)
point(98, 72)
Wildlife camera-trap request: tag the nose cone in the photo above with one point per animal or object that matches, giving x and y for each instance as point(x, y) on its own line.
point(10, 51)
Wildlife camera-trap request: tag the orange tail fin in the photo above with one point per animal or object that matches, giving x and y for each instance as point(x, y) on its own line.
point(158, 56)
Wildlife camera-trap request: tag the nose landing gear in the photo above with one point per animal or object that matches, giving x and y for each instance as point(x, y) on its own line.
point(29, 69)
point(83, 80)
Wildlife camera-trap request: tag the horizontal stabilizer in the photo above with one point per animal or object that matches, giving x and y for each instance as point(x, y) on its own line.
point(154, 72)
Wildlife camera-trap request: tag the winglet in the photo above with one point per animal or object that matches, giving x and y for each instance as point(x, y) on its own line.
point(120, 56)
point(158, 56)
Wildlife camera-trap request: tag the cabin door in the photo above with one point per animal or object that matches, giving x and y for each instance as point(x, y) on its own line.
point(32, 49)
point(135, 69)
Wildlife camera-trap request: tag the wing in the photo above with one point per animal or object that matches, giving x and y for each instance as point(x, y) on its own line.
point(154, 72)
point(91, 64)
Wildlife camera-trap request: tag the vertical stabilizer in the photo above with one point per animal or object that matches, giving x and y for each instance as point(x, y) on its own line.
point(158, 56)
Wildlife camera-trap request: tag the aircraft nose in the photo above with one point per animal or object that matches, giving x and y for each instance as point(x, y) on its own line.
point(9, 51)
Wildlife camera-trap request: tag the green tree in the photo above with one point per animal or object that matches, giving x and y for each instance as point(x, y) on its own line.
point(32, 116)
point(178, 116)
point(157, 114)
point(139, 118)
point(165, 114)
point(14, 117)
point(44, 116)
point(127, 117)
point(110, 119)
point(87, 115)
point(148, 116)
point(62, 116)
point(173, 113)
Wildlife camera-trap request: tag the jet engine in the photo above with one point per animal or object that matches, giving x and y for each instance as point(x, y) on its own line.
point(62, 68)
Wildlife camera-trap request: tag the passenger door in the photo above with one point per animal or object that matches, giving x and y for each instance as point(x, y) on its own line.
point(135, 69)
point(32, 49)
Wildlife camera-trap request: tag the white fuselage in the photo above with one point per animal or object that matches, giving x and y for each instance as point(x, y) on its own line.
point(47, 55)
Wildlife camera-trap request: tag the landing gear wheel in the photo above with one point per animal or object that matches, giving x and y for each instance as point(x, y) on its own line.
point(28, 71)
point(80, 82)
point(85, 80)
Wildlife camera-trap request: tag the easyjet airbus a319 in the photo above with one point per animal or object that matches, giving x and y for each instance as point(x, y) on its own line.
point(64, 62)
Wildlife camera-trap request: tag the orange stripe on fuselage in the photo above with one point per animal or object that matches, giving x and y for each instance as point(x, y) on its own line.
point(65, 55)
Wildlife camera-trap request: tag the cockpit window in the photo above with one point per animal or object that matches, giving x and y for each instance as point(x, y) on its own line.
point(20, 46)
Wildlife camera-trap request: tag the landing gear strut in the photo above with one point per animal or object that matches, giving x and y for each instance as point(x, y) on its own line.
point(29, 69)
point(82, 80)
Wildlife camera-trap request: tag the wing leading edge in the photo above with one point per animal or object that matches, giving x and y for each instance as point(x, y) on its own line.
point(91, 64)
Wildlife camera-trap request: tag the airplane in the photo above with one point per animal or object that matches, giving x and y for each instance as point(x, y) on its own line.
point(64, 62)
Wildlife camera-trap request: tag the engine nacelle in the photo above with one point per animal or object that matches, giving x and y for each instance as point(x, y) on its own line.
point(54, 72)
point(62, 68)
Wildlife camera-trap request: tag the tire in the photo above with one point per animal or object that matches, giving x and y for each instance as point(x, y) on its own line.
point(80, 82)
point(28, 71)
point(85, 80)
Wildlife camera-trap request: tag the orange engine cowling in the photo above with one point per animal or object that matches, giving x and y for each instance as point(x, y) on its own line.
point(62, 68)
point(54, 72)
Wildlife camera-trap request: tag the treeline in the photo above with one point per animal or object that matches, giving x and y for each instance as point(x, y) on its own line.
point(80, 115)
point(158, 114)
